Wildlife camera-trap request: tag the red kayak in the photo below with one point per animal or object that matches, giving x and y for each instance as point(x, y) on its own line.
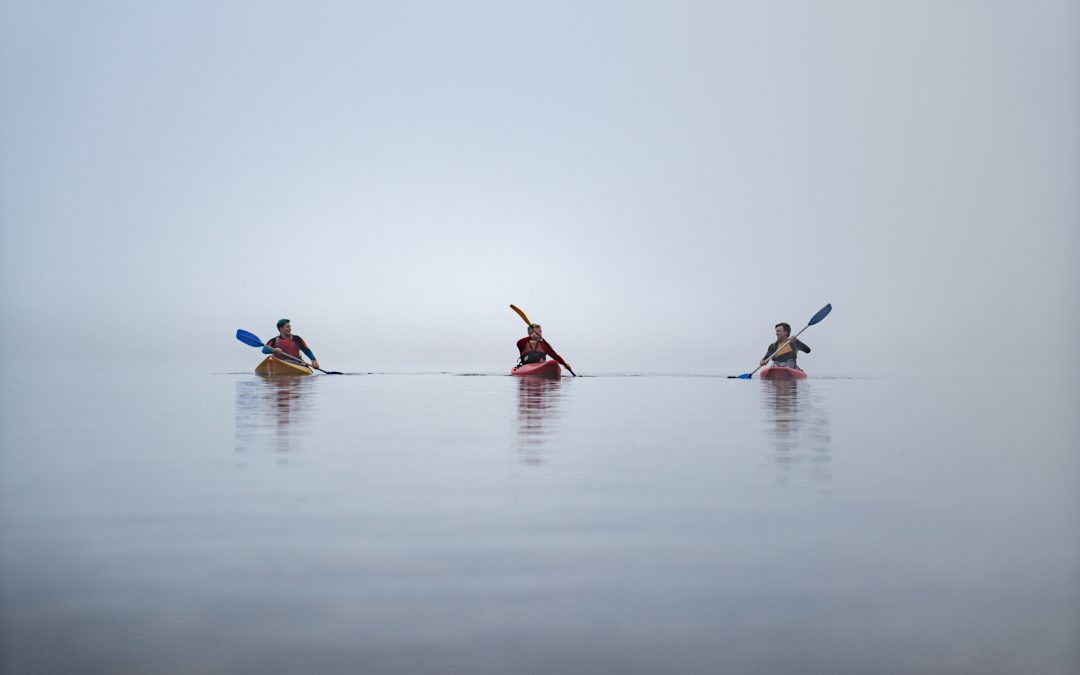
point(780, 373)
point(543, 369)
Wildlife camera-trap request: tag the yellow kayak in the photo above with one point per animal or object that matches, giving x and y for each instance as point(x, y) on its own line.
point(273, 366)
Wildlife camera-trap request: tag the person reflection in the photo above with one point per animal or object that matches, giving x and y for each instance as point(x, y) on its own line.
point(539, 400)
point(267, 410)
point(797, 419)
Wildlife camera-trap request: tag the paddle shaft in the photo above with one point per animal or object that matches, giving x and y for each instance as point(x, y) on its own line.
point(816, 319)
point(529, 324)
point(308, 365)
point(253, 340)
point(563, 365)
point(303, 363)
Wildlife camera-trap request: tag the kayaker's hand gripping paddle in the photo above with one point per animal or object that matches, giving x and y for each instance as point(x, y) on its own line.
point(822, 313)
point(253, 340)
point(529, 323)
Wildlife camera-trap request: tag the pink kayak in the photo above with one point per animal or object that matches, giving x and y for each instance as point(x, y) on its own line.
point(543, 369)
point(780, 373)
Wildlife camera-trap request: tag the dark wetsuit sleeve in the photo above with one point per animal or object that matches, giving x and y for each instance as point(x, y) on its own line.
point(768, 351)
point(801, 346)
point(551, 352)
point(304, 348)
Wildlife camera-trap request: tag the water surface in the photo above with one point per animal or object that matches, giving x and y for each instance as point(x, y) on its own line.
point(217, 522)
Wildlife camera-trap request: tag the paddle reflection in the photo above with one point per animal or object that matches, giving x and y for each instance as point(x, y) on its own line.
point(270, 411)
point(797, 418)
point(539, 403)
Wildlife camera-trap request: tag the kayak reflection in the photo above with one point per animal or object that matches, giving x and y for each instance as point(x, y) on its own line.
point(271, 411)
point(797, 417)
point(539, 403)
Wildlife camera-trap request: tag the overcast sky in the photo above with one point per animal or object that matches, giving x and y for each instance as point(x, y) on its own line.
point(657, 183)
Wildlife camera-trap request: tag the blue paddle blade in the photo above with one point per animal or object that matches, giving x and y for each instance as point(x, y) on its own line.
point(248, 338)
point(822, 313)
point(744, 376)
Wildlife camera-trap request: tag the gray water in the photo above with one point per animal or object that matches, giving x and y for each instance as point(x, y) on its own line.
point(180, 522)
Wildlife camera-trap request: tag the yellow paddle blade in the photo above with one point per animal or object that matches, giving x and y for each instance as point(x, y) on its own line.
point(521, 314)
point(786, 349)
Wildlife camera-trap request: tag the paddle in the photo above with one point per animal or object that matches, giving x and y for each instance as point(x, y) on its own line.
point(529, 323)
point(254, 341)
point(822, 313)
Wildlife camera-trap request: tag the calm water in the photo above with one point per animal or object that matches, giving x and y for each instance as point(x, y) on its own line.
point(208, 522)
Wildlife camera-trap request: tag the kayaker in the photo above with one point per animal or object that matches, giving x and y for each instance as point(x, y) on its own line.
point(788, 352)
point(535, 349)
point(286, 344)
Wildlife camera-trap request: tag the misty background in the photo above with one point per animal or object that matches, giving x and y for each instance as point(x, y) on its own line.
point(657, 183)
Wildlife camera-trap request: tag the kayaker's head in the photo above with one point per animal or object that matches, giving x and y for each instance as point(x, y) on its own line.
point(783, 331)
point(535, 330)
point(284, 327)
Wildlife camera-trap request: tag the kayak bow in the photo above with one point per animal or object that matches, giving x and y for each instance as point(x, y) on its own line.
point(549, 369)
point(781, 373)
point(274, 366)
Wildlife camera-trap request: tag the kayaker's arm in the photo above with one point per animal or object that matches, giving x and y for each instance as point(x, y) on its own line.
point(306, 350)
point(551, 352)
point(801, 346)
point(768, 352)
point(273, 351)
point(521, 345)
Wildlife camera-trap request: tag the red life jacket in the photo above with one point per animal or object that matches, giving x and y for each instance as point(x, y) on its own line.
point(287, 345)
point(532, 351)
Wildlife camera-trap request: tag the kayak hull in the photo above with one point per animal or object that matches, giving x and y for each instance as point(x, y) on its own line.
point(273, 367)
point(548, 369)
point(780, 373)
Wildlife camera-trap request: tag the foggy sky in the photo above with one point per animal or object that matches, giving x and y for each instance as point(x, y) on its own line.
point(657, 183)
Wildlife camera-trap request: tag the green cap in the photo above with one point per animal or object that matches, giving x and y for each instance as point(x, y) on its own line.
point(282, 322)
